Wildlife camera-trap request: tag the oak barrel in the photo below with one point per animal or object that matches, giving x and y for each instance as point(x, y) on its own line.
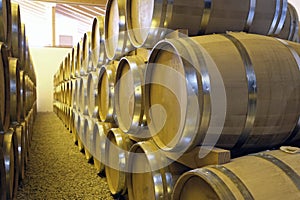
point(22, 57)
point(21, 150)
point(99, 57)
point(129, 96)
point(76, 94)
point(16, 33)
point(74, 120)
point(83, 104)
point(5, 22)
point(150, 21)
point(2, 174)
point(86, 137)
point(86, 65)
point(15, 94)
point(117, 43)
point(79, 130)
point(116, 155)
point(151, 175)
point(78, 59)
point(73, 61)
point(4, 89)
point(243, 96)
point(291, 25)
point(92, 94)
point(9, 147)
point(266, 175)
point(98, 144)
point(106, 92)
point(26, 143)
point(22, 93)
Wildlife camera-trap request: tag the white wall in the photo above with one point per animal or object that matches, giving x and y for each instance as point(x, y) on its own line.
point(46, 62)
point(296, 4)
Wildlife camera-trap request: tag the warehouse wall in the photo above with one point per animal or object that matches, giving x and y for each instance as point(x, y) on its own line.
point(46, 62)
point(296, 4)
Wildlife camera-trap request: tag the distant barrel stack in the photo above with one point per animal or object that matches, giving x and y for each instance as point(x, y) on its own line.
point(160, 95)
point(18, 105)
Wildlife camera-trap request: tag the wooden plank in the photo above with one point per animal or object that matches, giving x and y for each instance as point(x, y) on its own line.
point(78, 2)
point(213, 156)
point(53, 26)
point(179, 33)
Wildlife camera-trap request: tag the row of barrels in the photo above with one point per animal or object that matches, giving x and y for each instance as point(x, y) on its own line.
point(131, 99)
point(131, 25)
point(144, 171)
point(17, 99)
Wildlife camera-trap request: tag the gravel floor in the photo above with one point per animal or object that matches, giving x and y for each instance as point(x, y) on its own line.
point(56, 169)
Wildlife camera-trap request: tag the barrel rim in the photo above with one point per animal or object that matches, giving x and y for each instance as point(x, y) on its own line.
point(135, 64)
point(157, 169)
point(178, 144)
point(121, 145)
point(98, 42)
point(110, 71)
point(158, 15)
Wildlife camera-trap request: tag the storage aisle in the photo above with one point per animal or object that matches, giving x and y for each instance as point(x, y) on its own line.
point(56, 168)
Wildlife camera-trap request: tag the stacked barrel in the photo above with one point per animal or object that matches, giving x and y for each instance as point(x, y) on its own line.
point(155, 81)
point(17, 99)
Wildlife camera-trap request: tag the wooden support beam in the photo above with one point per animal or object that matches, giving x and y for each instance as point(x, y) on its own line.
point(53, 26)
point(78, 2)
point(213, 156)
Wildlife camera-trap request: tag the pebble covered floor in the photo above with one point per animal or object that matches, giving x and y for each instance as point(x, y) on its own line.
point(56, 169)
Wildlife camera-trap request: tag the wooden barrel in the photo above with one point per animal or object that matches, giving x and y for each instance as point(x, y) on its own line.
point(22, 93)
point(242, 96)
point(30, 98)
point(68, 118)
point(86, 137)
point(80, 122)
point(23, 47)
point(92, 94)
point(72, 93)
point(16, 33)
point(74, 128)
point(152, 175)
point(26, 143)
point(9, 148)
point(86, 64)
point(106, 92)
point(83, 104)
point(76, 95)
point(150, 21)
point(2, 175)
point(129, 96)
point(4, 89)
point(73, 61)
point(78, 58)
point(117, 147)
point(98, 144)
point(28, 132)
point(117, 43)
point(99, 57)
point(66, 68)
point(5, 22)
point(21, 150)
point(291, 25)
point(15, 95)
point(277, 178)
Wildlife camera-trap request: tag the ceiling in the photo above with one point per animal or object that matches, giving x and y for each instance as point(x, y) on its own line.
point(81, 10)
